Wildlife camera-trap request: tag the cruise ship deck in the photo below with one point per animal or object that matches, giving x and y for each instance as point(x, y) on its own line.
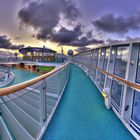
point(69, 70)
point(82, 114)
point(95, 94)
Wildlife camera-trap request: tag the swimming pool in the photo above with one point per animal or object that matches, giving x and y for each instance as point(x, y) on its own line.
point(22, 76)
point(82, 115)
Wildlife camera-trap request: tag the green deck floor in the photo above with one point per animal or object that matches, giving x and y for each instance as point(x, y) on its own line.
point(82, 115)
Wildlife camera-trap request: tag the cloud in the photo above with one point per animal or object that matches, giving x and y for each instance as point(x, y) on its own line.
point(81, 49)
point(110, 40)
point(65, 36)
point(73, 37)
point(112, 24)
point(17, 38)
point(44, 16)
point(128, 38)
point(25, 1)
point(5, 43)
point(84, 41)
point(16, 47)
point(89, 34)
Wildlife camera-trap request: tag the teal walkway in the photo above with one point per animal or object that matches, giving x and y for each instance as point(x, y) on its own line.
point(82, 115)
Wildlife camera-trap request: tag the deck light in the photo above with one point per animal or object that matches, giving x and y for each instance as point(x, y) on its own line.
point(113, 52)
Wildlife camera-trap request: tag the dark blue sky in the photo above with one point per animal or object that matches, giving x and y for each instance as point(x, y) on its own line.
point(69, 23)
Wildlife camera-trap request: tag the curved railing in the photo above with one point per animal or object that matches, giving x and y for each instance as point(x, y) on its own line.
point(15, 88)
point(27, 108)
point(115, 77)
point(115, 68)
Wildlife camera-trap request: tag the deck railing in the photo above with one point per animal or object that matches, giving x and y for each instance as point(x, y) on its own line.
point(135, 86)
point(115, 67)
point(27, 108)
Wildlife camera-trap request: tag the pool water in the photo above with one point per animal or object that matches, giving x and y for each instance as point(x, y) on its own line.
point(82, 115)
point(22, 76)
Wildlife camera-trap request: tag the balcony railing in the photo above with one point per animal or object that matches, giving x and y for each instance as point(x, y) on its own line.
point(116, 67)
point(27, 108)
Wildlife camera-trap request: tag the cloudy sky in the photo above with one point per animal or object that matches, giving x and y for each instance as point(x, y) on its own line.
point(68, 23)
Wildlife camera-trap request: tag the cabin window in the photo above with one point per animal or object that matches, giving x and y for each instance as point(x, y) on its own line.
point(95, 59)
point(102, 81)
point(116, 93)
point(93, 73)
point(99, 56)
point(121, 61)
point(107, 52)
point(138, 69)
point(136, 108)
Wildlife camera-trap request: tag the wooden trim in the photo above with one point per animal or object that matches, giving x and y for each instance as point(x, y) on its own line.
point(128, 83)
point(15, 88)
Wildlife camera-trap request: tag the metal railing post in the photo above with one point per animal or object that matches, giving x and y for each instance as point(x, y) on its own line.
point(59, 83)
point(42, 103)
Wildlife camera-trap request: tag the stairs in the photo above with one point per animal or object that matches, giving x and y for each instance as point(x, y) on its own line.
point(20, 116)
point(4, 132)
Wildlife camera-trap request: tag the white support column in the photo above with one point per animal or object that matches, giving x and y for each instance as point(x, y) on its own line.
point(107, 67)
point(131, 77)
point(126, 78)
point(110, 67)
point(91, 61)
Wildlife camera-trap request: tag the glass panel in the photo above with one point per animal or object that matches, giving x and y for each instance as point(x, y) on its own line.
point(121, 61)
point(116, 91)
point(99, 56)
point(136, 108)
point(98, 77)
point(138, 69)
point(93, 73)
point(106, 58)
point(95, 59)
point(102, 81)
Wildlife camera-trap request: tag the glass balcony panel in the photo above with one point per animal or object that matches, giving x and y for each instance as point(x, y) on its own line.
point(106, 58)
point(136, 108)
point(102, 81)
point(95, 58)
point(121, 61)
point(138, 70)
point(116, 92)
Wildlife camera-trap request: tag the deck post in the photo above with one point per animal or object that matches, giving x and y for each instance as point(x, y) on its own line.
point(42, 103)
point(59, 83)
point(125, 86)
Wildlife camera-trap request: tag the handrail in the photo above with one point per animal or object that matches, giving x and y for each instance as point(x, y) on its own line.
point(15, 88)
point(133, 85)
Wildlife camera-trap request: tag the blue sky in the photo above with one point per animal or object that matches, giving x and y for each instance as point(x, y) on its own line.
point(69, 23)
